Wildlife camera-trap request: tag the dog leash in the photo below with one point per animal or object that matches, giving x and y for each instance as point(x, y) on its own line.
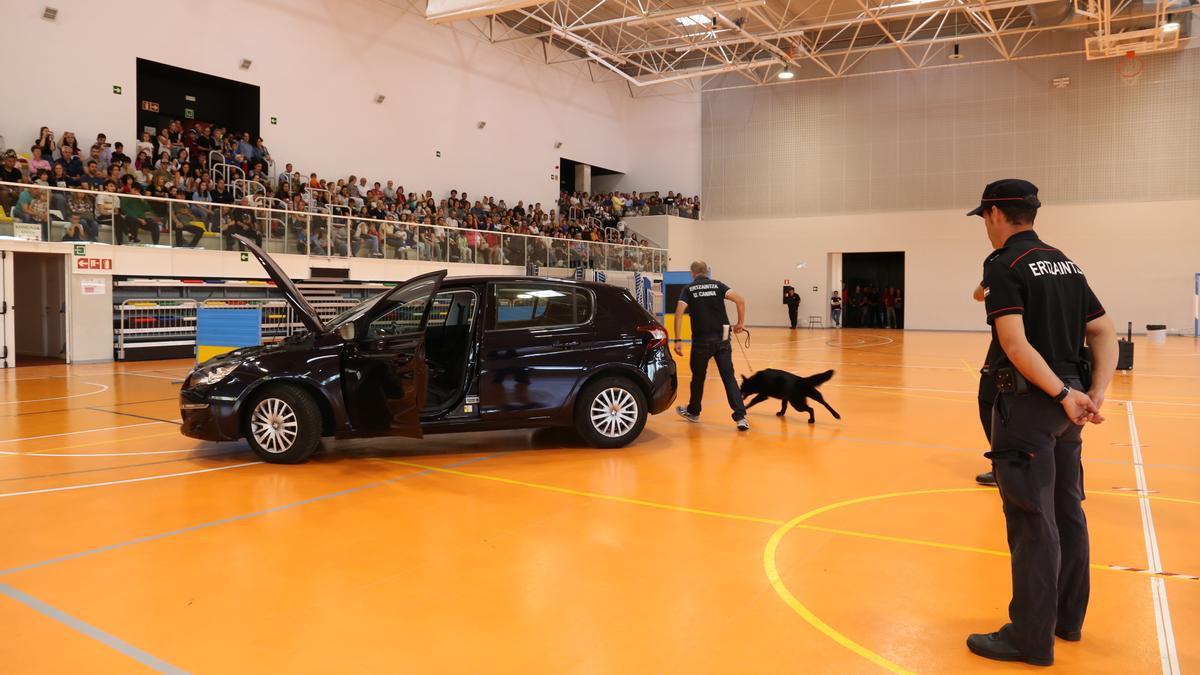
point(743, 347)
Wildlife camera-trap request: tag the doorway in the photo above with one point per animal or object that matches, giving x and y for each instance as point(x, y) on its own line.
point(196, 99)
point(873, 289)
point(39, 309)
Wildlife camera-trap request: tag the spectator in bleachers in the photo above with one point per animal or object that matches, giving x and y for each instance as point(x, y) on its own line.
point(82, 205)
point(67, 145)
point(135, 215)
point(118, 154)
point(37, 161)
point(181, 224)
point(71, 163)
point(146, 145)
point(75, 230)
point(45, 142)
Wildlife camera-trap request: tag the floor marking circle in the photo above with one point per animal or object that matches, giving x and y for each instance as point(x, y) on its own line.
point(103, 388)
point(771, 566)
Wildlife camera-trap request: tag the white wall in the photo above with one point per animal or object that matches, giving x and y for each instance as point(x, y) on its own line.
point(665, 131)
point(1140, 258)
point(320, 65)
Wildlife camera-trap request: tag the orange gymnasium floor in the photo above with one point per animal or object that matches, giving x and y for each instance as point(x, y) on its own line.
point(844, 547)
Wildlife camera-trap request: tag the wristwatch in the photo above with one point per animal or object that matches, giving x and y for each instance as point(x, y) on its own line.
point(1062, 395)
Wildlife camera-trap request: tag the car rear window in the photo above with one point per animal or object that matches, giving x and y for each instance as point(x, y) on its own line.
point(534, 306)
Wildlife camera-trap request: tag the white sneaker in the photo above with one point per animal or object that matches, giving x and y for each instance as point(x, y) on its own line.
point(743, 424)
point(683, 412)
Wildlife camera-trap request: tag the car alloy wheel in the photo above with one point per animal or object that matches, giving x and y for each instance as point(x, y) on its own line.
point(614, 412)
point(274, 425)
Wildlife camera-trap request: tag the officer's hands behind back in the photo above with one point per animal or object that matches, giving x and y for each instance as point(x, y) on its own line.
point(1081, 409)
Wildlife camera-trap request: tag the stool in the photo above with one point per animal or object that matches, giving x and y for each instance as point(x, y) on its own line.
point(815, 321)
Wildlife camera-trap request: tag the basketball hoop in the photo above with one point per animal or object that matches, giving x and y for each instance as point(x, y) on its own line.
point(1130, 67)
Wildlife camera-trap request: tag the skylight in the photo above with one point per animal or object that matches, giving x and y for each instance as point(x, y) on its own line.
point(694, 20)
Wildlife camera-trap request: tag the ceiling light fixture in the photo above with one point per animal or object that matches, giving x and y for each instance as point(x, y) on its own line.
point(1170, 27)
point(786, 73)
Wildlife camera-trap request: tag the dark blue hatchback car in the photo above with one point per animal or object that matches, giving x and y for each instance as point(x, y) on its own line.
point(438, 355)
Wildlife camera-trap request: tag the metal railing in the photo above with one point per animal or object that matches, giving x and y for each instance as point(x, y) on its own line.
point(69, 214)
point(154, 323)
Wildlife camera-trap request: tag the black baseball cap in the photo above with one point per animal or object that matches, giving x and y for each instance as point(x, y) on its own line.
point(1007, 190)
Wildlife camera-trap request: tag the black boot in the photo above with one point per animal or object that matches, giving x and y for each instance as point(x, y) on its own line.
point(986, 479)
point(994, 646)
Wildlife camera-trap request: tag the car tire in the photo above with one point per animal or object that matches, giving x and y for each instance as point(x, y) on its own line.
point(610, 412)
point(283, 424)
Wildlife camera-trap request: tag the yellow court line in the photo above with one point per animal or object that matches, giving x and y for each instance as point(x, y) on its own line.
point(771, 551)
point(771, 566)
point(771, 521)
point(584, 493)
point(1134, 495)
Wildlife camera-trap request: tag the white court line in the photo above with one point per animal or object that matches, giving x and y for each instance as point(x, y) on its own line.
point(35, 453)
point(127, 480)
point(1162, 611)
point(157, 377)
point(98, 373)
point(73, 433)
point(103, 388)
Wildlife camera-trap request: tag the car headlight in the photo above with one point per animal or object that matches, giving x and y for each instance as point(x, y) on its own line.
point(214, 374)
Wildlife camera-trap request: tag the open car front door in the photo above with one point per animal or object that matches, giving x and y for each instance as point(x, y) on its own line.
point(384, 373)
point(304, 311)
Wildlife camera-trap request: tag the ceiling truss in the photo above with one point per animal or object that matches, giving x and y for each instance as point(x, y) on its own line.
point(716, 45)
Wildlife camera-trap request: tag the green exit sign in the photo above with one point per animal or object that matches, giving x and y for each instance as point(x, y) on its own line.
point(80, 250)
point(189, 113)
point(245, 257)
point(274, 121)
point(116, 89)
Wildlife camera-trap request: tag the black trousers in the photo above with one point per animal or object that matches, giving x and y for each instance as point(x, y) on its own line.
point(987, 401)
point(1036, 457)
point(793, 313)
point(703, 349)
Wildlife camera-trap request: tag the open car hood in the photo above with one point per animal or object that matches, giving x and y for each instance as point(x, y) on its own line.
point(307, 315)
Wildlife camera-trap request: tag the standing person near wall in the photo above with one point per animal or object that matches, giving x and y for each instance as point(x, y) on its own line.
point(889, 306)
point(792, 299)
point(1041, 310)
point(835, 310)
point(704, 299)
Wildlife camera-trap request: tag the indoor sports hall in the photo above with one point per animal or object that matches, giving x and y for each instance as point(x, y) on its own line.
point(367, 336)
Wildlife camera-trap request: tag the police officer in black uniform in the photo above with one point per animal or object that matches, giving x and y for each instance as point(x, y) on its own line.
point(792, 299)
point(1041, 309)
point(704, 299)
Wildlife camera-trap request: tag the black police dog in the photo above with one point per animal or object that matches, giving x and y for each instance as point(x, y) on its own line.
point(772, 383)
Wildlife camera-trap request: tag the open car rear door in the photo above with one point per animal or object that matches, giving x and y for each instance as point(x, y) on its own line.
point(384, 373)
point(304, 311)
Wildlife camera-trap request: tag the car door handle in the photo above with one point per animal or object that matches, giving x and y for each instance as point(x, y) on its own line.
point(567, 343)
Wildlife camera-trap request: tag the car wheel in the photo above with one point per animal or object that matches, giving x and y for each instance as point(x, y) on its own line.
point(283, 425)
point(611, 412)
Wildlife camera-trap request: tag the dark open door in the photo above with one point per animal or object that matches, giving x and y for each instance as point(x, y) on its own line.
point(384, 374)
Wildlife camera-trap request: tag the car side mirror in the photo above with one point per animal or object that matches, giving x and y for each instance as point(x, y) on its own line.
point(346, 330)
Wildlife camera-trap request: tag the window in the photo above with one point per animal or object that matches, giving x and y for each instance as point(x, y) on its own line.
point(532, 306)
point(452, 309)
point(405, 313)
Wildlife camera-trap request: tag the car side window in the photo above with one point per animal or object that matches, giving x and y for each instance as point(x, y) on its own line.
point(404, 314)
point(534, 306)
point(403, 319)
